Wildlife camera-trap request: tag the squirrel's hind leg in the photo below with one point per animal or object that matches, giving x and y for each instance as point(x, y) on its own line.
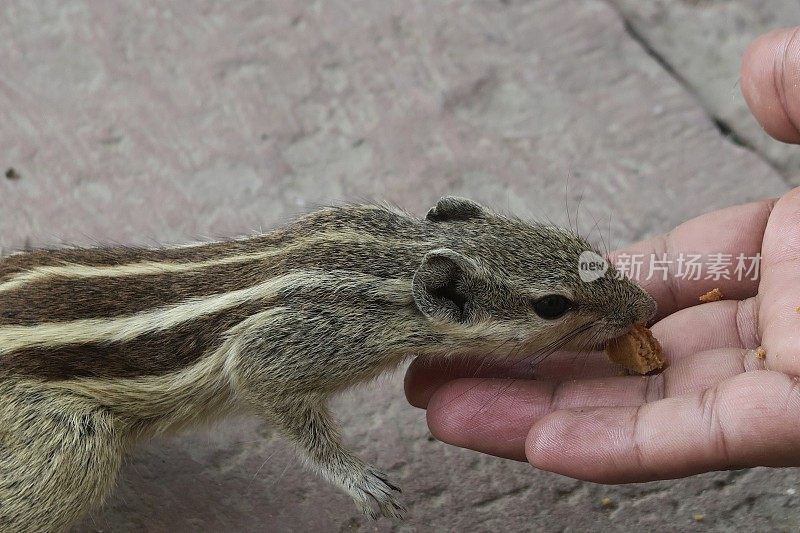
point(59, 457)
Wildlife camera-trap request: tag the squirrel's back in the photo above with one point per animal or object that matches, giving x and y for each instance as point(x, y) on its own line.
point(126, 312)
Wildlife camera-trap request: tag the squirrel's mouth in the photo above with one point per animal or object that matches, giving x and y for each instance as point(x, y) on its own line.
point(591, 337)
point(614, 333)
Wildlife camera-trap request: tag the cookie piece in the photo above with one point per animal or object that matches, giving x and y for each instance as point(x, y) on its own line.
point(637, 350)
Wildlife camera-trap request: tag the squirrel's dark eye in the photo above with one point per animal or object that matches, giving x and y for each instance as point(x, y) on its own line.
point(552, 306)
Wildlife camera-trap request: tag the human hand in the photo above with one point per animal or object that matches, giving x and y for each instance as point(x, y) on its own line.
point(717, 406)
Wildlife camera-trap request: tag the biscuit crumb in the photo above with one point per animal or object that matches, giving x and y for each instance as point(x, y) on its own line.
point(606, 502)
point(637, 351)
point(714, 295)
point(698, 517)
point(797, 309)
point(761, 353)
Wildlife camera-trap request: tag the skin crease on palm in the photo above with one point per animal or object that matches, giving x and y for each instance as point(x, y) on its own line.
point(717, 406)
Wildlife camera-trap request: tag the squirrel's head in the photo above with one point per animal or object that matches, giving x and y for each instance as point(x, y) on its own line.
point(529, 286)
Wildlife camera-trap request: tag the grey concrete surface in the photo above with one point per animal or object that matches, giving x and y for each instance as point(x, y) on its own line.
point(143, 122)
point(702, 42)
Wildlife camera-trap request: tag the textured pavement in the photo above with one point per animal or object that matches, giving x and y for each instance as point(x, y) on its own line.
point(701, 42)
point(149, 122)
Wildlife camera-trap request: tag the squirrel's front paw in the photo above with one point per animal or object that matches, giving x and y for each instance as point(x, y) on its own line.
point(373, 485)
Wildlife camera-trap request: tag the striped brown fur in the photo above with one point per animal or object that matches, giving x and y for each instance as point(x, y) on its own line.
point(60, 298)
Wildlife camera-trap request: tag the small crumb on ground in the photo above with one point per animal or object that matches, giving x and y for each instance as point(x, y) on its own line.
point(761, 353)
point(797, 309)
point(698, 517)
point(12, 174)
point(606, 502)
point(714, 295)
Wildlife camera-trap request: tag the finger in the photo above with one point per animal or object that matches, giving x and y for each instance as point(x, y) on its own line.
point(703, 370)
point(746, 421)
point(735, 231)
point(494, 415)
point(770, 79)
point(779, 296)
point(725, 324)
point(424, 376)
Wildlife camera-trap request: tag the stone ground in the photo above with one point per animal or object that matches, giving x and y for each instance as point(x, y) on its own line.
point(143, 122)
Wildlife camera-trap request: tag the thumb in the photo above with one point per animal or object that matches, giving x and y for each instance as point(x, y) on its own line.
point(749, 420)
point(770, 78)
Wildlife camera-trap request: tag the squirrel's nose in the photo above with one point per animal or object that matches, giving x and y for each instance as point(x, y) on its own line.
point(639, 310)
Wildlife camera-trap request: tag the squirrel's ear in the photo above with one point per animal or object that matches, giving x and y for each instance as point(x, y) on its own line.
point(455, 208)
point(442, 286)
